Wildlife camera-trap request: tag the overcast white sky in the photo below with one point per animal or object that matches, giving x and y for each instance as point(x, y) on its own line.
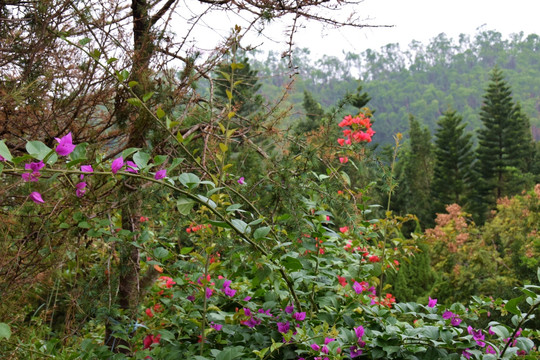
point(412, 19)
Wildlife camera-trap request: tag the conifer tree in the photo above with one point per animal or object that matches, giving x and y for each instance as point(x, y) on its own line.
point(453, 161)
point(314, 114)
point(415, 172)
point(503, 143)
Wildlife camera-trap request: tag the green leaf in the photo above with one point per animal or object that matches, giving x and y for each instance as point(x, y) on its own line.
point(84, 41)
point(111, 60)
point(223, 147)
point(161, 253)
point(147, 96)
point(37, 149)
point(225, 75)
point(95, 54)
point(261, 232)
point(346, 177)
point(207, 201)
point(4, 151)
point(184, 205)
point(160, 113)
point(189, 180)
point(132, 83)
point(135, 102)
point(141, 158)
point(5, 331)
point(229, 94)
point(129, 151)
point(538, 274)
point(1, 168)
point(292, 264)
point(235, 66)
point(79, 153)
point(240, 225)
point(511, 305)
point(186, 250)
point(524, 344)
point(230, 353)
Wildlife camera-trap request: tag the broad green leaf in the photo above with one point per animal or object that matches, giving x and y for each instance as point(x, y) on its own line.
point(230, 353)
point(129, 151)
point(159, 159)
point(132, 83)
point(4, 151)
point(37, 149)
point(524, 344)
point(240, 225)
point(223, 147)
point(79, 153)
point(225, 75)
point(5, 331)
point(292, 264)
point(141, 158)
point(184, 205)
point(207, 201)
point(189, 180)
point(261, 232)
point(511, 305)
point(161, 253)
point(186, 250)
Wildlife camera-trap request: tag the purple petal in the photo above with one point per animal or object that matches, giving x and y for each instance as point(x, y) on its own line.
point(160, 174)
point(117, 164)
point(36, 197)
point(65, 145)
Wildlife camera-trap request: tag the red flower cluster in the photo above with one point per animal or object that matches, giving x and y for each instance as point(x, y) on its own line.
point(360, 129)
point(387, 301)
point(197, 228)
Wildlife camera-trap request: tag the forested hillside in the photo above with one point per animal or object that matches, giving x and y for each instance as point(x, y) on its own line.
point(423, 80)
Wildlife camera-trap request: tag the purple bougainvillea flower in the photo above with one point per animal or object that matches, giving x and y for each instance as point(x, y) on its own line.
point(432, 302)
point(328, 340)
point(315, 347)
point(87, 168)
point(81, 189)
point(355, 351)
point(447, 315)
point(247, 298)
point(35, 166)
point(117, 164)
point(299, 316)
point(466, 353)
point(2, 158)
point(65, 145)
point(191, 298)
point(208, 293)
point(283, 327)
point(131, 167)
point(33, 176)
point(160, 174)
point(490, 350)
point(241, 181)
point(289, 309)
point(359, 331)
point(247, 312)
point(216, 327)
point(455, 321)
point(226, 284)
point(229, 292)
point(36, 197)
point(357, 287)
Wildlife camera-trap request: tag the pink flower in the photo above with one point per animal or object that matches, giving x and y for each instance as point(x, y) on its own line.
point(241, 181)
point(315, 347)
point(149, 312)
point(117, 164)
point(151, 339)
point(65, 145)
point(2, 158)
point(289, 309)
point(359, 331)
point(343, 160)
point(160, 174)
point(432, 302)
point(357, 287)
point(466, 354)
point(131, 167)
point(490, 350)
point(36, 197)
point(208, 293)
point(283, 327)
point(81, 189)
point(299, 316)
point(344, 229)
point(216, 327)
point(87, 168)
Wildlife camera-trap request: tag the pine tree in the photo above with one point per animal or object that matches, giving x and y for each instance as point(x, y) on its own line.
point(453, 160)
point(503, 143)
point(314, 114)
point(414, 172)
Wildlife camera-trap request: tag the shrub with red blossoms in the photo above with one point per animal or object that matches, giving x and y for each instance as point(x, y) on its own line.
point(358, 129)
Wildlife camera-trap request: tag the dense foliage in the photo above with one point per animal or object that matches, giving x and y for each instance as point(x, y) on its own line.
point(169, 212)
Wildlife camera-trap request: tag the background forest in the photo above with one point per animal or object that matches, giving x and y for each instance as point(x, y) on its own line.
point(160, 201)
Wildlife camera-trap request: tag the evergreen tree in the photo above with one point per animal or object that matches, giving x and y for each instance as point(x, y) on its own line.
point(314, 114)
point(503, 143)
point(244, 83)
point(414, 172)
point(453, 160)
